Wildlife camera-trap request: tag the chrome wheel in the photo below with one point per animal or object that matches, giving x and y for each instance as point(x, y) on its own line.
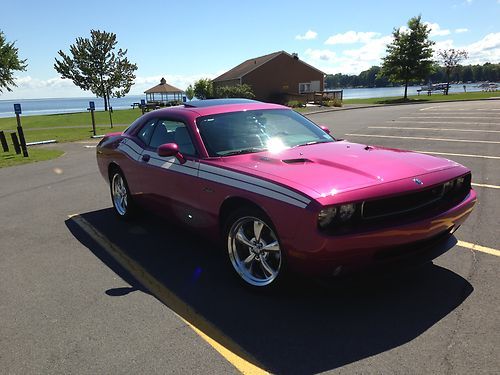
point(254, 251)
point(119, 193)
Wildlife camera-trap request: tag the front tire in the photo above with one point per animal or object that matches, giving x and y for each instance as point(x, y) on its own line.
point(120, 196)
point(254, 249)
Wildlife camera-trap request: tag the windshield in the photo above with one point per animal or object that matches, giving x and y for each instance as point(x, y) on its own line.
point(244, 132)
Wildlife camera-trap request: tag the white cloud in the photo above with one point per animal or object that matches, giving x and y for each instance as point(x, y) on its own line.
point(320, 54)
point(436, 29)
point(351, 61)
point(56, 87)
point(309, 35)
point(463, 29)
point(351, 37)
point(485, 50)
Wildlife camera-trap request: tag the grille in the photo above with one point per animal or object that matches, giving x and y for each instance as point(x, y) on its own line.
point(413, 202)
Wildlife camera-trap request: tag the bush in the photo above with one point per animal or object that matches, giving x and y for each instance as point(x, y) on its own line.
point(295, 104)
point(237, 91)
point(333, 103)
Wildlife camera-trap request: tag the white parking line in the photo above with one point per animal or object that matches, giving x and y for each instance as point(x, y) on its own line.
point(487, 109)
point(442, 122)
point(462, 155)
point(440, 129)
point(423, 138)
point(453, 117)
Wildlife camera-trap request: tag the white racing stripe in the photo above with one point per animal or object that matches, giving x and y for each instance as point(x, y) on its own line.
point(254, 181)
point(220, 175)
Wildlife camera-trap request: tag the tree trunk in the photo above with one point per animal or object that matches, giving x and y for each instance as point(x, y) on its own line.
point(406, 90)
point(105, 102)
point(447, 83)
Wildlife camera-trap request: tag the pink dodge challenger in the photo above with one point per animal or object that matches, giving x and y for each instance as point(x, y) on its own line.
point(281, 192)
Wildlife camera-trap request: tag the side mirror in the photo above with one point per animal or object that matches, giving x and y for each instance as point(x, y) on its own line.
point(170, 149)
point(325, 129)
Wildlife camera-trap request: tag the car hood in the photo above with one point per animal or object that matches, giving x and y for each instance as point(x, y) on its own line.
point(321, 169)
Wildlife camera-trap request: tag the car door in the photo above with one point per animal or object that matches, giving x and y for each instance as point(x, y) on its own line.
point(169, 184)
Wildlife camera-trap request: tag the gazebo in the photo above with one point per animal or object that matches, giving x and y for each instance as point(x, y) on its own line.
point(163, 93)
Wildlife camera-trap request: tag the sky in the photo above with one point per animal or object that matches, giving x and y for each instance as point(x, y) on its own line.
point(184, 41)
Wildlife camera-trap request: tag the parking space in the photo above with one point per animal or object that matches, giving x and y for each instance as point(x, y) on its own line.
point(90, 294)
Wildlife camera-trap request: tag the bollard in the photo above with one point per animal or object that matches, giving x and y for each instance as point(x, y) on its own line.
point(111, 117)
point(15, 142)
point(5, 146)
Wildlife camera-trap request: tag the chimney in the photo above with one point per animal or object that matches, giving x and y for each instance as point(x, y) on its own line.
point(295, 56)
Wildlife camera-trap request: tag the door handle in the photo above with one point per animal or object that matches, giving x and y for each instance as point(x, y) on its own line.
point(146, 157)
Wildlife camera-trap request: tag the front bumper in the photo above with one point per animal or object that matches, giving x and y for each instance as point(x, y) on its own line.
point(325, 255)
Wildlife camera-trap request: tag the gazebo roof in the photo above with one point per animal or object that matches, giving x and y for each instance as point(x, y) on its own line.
point(163, 87)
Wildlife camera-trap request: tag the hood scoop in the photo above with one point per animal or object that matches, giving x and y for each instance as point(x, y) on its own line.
point(296, 161)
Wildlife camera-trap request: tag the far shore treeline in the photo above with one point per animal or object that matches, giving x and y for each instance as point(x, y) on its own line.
point(371, 78)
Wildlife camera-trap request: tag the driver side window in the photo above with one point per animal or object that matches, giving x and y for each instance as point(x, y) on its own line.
point(168, 131)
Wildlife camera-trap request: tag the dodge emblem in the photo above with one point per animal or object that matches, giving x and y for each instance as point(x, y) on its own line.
point(417, 181)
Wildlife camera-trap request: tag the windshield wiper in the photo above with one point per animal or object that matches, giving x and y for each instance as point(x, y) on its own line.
point(311, 143)
point(244, 151)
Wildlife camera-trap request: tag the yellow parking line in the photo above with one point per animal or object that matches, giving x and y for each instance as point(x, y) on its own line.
point(453, 154)
point(483, 249)
point(423, 138)
point(485, 186)
point(440, 129)
point(226, 347)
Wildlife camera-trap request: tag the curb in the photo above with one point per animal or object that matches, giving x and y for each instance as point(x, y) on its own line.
point(396, 104)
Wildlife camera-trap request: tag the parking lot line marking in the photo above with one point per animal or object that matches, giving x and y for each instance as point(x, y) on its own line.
point(453, 117)
point(443, 122)
point(226, 347)
point(453, 154)
point(422, 138)
point(428, 128)
point(485, 186)
point(483, 249)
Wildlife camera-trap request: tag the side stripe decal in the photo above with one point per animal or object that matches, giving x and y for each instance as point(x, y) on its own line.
point(216, 174)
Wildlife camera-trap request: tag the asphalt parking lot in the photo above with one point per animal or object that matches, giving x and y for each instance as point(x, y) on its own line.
point(83, 293)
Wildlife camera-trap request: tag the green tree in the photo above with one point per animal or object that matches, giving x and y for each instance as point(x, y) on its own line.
point(204, 89)
point(190, 92)
point(9, 63)
point(236, 91)
point(450, 58)
point(409, 55)
point(93, 65)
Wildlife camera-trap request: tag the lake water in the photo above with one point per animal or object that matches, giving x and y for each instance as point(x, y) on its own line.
point(70, 105)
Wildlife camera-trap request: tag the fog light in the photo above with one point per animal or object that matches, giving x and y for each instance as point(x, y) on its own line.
point(326, 216)
point(346, 211)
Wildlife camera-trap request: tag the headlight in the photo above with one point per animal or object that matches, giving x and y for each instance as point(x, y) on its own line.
point(346, 211)
point(460, 182)
point(326, 216)
point(448, 186)
point(339, 214)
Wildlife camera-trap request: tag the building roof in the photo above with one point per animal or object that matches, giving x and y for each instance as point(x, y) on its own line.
point(251, 64)
point(163, 87)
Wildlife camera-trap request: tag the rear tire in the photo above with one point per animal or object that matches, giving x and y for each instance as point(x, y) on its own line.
point(123, 204)
point(254, 249)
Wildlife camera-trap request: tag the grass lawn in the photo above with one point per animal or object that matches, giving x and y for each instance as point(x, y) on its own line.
point(424, 98)
point(8, 159)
